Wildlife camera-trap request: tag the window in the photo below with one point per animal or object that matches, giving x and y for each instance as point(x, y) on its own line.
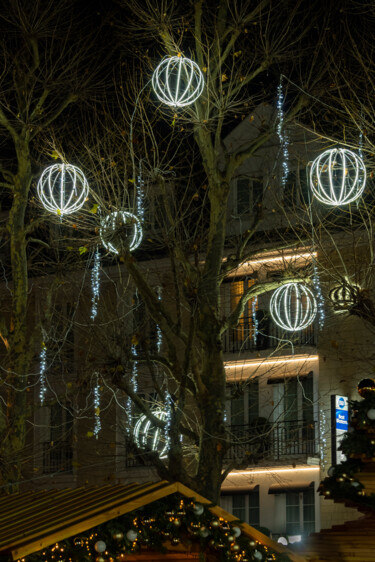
point(296, 189)
point(244, 505)
point(57, 448)
point(300, 512)
point(249, 193)
point(243, 336)
point(244, 403)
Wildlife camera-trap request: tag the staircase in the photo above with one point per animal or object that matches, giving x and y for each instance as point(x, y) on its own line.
point(354, 541)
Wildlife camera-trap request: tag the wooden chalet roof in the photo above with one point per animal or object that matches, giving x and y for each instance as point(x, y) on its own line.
point(30, 521)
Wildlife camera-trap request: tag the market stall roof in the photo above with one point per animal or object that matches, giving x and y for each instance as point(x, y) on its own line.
point(31, 521)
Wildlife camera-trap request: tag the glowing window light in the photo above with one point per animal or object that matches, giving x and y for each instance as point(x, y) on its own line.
point(337, 177)
point(177, 81)
point(120, 229)
point(293, 306)
point(62, 189)
point(147, 435)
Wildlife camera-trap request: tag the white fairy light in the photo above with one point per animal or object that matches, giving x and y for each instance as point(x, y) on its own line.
point(140, 196)
point(95, 285)
point(319, 295)
point(98, 424)
point(254, 306)
point(283, 137)
point(62, 189)
point(42, 378)
point(120, 229)
point(168, 420)
point(322, 437)
point(159, 335)
point(147, 435)
point(337, 177)
point(134, 386)
point(177, 81)
point(293, 306)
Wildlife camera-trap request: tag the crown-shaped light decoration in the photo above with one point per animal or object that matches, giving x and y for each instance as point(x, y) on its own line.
point(178, 81)
point(62, 189)
point(337, 177)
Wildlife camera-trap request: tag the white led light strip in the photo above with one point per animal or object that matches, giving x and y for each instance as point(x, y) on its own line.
point(62, 189)
point(177, 81)
point(293, 306)
point(337, 177)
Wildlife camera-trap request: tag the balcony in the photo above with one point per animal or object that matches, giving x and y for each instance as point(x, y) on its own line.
point(273, 441)
point(269, 336)
point(57, 457)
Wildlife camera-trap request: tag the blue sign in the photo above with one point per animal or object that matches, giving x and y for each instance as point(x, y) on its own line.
point(342, 420)
point(340, 425)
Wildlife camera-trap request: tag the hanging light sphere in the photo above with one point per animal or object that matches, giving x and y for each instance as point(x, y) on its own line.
point(178, 81)
point(62, 189)
point(366, 388)
point(147, 435)
point(337, 177)
point(293, 306)
point(344, 296)
point(120, 230)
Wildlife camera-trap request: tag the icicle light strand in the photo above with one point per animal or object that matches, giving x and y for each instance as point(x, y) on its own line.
point(283, 138)
point(95, 285)
point(98, 424)
point(43, 368)
point(318, 296)
point(140, 196)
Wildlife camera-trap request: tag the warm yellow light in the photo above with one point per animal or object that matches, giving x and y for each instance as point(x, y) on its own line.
point(273, 470)
point(280, 360)
point(282, 258)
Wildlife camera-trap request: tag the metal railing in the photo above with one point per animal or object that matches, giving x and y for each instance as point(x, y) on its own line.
point(272, 440)
point(57, 457)
point(244, 338)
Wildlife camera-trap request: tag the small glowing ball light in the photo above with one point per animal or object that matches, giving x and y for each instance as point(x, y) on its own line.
point(62, 189)
point(293, 306)
point(120, 230)
point(337, 177)
point(178, 81)
point(147, 435)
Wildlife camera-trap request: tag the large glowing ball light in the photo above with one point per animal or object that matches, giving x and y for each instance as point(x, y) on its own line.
point(120, 229)
point(293, 306)
point(178, 81)
point(337, 177)
point(62, 189)
point(145, 434)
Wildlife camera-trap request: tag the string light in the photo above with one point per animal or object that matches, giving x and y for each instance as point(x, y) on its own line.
point(323, 438)
point(42, 378)
point(134, 386)
point(118, 228)
point(95, 285)
point(140, 196)
point(62, 189)
point(168, 420)
point(97, 425)
point(337, 177)
point(254, 307)
point(319, 295)
point(283, 137)
point(293, 306)
point(177, 81)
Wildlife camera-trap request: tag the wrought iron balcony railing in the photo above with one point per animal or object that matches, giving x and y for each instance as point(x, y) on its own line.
point(57, 457)
point(272, 441)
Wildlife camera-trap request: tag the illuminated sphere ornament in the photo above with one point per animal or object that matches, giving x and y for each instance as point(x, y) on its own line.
point(120, 230)
point(293, 306)
point(62, 189)
point(337, 177)
point(371, 414)
point(148, 436)
point(344, 296)
point(366, 388)
point(100, 546)
point(178, 81)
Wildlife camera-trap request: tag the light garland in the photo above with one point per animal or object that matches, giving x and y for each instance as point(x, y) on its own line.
point(98, 424)
point(114, 231)
point(337, 177)
point(146, 435)
point(62, 189)
point(254, 306)
point(168, 420)
point(177, 81)
point(319, 295)
point(42, 378)
point(322, 437)
point(293, 306)
point(140, 196)
point(134, 386)
point(283, 137)
point(95, 285)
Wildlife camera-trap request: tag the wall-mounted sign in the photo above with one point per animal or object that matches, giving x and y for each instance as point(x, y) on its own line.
point(340, 425)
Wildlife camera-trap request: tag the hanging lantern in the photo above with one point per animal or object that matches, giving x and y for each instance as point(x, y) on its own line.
point(120, 230)
point(62, 189)
point(293, 306)
point(147, 435)
point(337, 177)
point(178, 81)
